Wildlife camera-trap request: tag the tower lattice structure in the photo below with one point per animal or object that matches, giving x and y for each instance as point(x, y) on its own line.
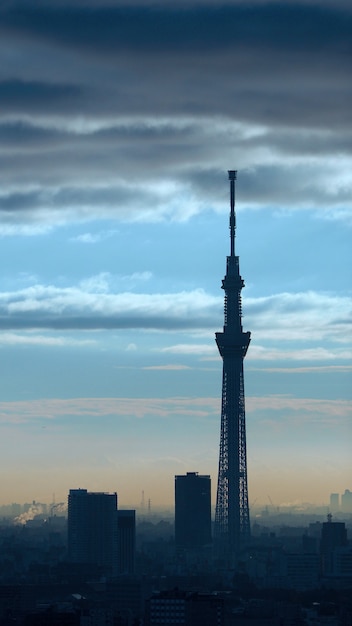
point(232, 526)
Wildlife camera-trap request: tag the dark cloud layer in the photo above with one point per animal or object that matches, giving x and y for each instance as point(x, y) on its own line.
point(103, 104)
point(196, 29)
point(14, 92)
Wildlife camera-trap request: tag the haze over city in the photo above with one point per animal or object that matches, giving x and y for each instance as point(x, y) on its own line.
point(118, 125)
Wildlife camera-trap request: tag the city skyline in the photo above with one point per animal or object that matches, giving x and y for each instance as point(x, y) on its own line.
point(118, 125)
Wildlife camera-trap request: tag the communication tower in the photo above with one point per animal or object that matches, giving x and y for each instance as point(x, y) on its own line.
point(232, 526)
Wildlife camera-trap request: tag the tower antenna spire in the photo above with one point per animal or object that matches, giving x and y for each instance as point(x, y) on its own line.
point(232, 178)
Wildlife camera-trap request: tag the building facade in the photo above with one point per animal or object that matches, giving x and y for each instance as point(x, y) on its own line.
point(93, 530)
point(333, 536)
point(346, 501)
point(126, 540)
point(181, 608)
point(192, 510)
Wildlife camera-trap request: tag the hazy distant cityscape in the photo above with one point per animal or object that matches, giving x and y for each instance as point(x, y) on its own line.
point(93, 558)
point(337, 504)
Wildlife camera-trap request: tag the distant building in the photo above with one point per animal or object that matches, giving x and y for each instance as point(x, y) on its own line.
point(203, 609)
point(93, 529)
point(126, 541)
point(334, 502)
point(166, 607)
point(192, 511)
point(180, 608)
point(346, 501)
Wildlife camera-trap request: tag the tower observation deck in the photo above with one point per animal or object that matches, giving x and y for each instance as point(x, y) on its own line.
point(232, 527)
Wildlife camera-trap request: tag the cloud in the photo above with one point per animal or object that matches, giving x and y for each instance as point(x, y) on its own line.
point(322, 408)
point(319, 369)
point(96, 284)
point(47, 206)
point(96, 237)
point(275, 320)
point(299, 317)
point(162, 408)
point(118, 111)
point(139, 276)
point(45, 190)
point(318, 353)
point(90, 306)
point(193, 349)
point(30, 339)
point(35, 94)
point(19, 411)
point(112, 28)
point(170, 367)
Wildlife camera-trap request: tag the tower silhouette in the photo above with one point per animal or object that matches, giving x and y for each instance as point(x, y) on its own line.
point(232, 527)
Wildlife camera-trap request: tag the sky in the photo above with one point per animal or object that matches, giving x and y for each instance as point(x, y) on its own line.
point(118, 123)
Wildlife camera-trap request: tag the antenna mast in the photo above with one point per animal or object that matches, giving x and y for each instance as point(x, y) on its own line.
point(232, 178)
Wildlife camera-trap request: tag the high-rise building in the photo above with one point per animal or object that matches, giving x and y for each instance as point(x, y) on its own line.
point(232, 526)
point(346, 501)
point(126, 540)
point(93, 530)
point(334, 502)
point(192, 511)
point(333, 536)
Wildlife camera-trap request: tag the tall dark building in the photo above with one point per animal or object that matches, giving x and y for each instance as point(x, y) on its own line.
point(92, 529)
point(127, 540)
point(192, 511)
point(333, 536)
point(232, 527)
